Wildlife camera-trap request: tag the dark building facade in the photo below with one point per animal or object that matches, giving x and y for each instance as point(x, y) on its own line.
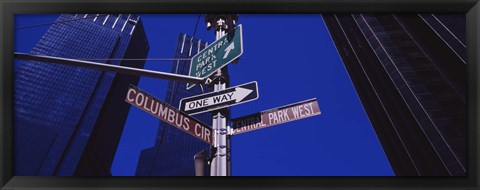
point(67, 120)
point(172, 154)
point(410, 74)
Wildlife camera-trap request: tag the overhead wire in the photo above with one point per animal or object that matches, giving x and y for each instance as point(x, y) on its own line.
point(113, 59)
point(177, 85)
point(193, 36)
point(59, 22)
point(143, 59)
point(90, 59)
point(196, 25)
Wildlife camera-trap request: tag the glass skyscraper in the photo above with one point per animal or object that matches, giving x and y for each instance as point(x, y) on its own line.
point(172, 154)
point(67, 120)
point(409, 71)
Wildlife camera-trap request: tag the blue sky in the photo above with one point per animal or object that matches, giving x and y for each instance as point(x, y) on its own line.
point(293, 58)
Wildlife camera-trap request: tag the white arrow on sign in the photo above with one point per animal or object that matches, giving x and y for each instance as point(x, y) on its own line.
point(220, 99)
point(241, 93)
point(228, 49)
point(238, 95)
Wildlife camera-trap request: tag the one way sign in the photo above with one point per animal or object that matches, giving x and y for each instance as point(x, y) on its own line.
point(222, 99)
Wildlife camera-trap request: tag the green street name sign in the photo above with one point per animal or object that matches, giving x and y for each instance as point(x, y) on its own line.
point(217, 55)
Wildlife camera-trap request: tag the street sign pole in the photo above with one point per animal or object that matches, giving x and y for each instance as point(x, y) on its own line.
point(220, 163)
point(220, 128)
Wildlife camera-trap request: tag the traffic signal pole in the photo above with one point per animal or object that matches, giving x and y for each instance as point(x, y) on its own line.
point(220, 165)
point(107, 67)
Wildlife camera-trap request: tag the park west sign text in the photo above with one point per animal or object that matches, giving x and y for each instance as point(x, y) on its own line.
point(275, 116)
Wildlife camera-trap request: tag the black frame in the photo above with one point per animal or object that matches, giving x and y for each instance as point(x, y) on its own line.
point(10, 7)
